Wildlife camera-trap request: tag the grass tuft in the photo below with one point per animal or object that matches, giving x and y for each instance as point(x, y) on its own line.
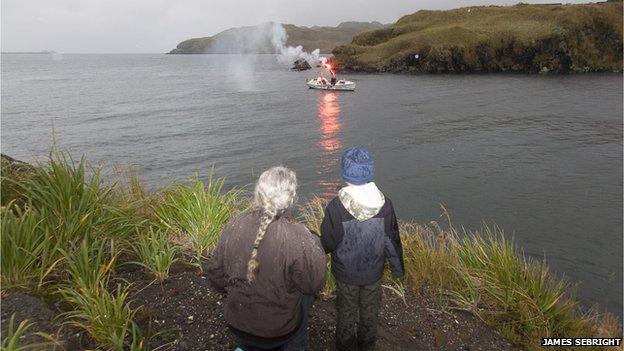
point(27, 254)
point(105, 316)
point(13, 338)
point(156, 253)
point(196, 213)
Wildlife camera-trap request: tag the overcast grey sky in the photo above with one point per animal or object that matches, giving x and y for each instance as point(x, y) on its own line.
point(126, 26)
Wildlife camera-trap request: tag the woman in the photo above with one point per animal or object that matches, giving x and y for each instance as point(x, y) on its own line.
point(269, 267)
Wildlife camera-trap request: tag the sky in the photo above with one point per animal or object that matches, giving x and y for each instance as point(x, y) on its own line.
point(150, 26)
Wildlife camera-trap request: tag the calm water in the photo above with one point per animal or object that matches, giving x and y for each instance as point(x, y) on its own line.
point(539, 155)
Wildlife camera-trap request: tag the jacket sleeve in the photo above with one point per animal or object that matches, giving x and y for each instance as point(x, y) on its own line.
point(215, 270)
point(393, 245)
point(308, 270)
point(329, 231)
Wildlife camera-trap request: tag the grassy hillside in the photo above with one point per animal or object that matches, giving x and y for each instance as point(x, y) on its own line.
point(520, 38)
point(82, 249)
point(257, 39)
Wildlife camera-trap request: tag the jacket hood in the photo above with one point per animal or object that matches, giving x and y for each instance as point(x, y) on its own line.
point(362, 201)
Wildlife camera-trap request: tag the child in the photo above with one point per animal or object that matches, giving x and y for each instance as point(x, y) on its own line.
point(360, 231)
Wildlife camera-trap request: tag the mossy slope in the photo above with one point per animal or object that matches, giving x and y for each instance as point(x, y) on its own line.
point(520, 38)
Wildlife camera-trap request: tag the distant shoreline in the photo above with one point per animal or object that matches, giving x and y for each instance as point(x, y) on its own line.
point(28, 52)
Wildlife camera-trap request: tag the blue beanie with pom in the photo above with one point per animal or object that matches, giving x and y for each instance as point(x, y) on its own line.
point(357, 166)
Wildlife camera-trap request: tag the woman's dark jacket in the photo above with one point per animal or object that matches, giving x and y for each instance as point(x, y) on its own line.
point(291, 264)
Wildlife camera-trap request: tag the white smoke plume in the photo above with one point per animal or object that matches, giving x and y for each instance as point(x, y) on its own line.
point(288, 54)
point(267, 38)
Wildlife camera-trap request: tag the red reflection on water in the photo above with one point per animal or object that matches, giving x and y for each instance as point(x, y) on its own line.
point(329, 111)
point(330, 143)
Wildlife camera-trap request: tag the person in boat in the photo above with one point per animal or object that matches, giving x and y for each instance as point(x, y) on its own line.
point(333, 77)
point(361, 232)
point(269, 268)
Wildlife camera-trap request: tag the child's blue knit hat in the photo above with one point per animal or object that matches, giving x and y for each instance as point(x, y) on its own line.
point(357, 166)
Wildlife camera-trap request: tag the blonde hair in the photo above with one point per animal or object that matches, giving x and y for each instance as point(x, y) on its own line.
point(275, 193)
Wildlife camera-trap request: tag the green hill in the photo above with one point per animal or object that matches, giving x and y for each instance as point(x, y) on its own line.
point(257, 39)
point(520, 38)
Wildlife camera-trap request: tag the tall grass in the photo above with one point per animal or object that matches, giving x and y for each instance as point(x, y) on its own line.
point(311, 214)
point(13, 338)
point(518, 295)
point(64, 233)
point(427, 256)
point(485, 274)
point(196, 213)
point(64, 207)
point(105, 316)
point(156, 253)
point(13, 173)
point(27, 254)
point(67, 201)
point(89, 266)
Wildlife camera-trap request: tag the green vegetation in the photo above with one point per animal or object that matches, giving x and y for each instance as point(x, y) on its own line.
point(257, 39)
point(195, 213)
point(312, 214)
point(27, 255)
point(14, 172)
point(13, 338)
point(491, 280)
point(65, 234)
point(520, 38)
point(156, 253)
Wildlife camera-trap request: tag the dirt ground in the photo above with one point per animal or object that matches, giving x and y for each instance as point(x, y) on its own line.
point(183, 313)
point(44, 316)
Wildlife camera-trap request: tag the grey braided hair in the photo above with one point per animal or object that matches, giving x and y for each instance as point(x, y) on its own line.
point(275, 193)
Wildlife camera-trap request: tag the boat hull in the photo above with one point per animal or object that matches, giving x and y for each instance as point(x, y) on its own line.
point(339, 86)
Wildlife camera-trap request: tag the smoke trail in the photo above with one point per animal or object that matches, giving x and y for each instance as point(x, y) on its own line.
point(267, 38)
point(288, 54)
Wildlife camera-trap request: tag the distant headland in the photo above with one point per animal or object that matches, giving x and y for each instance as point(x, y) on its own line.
point(44, 52)
point(521, 38)
point(256, 40)
point(482, 39)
